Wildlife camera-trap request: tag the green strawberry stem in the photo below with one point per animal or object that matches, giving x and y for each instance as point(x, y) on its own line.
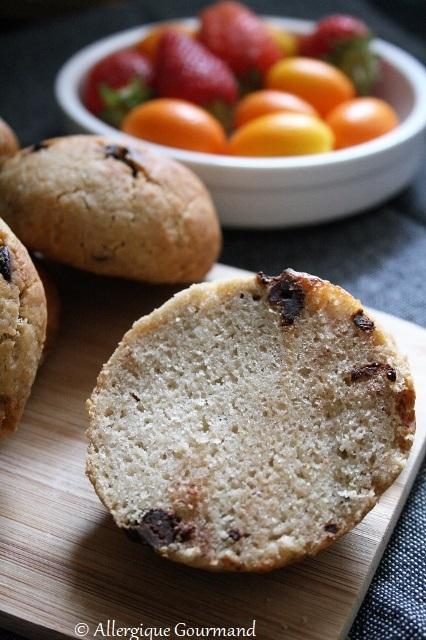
point(118, 102)
point(223, 112)
point(251, 81)
point(356, 59)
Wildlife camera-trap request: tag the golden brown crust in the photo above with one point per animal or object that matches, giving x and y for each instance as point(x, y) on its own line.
point(23, 329)
point(109, 209)
point(9, 144)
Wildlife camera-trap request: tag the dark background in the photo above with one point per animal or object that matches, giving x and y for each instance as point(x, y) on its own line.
point(379, 256)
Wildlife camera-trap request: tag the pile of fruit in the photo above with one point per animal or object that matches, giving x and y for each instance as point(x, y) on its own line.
point(240, 86)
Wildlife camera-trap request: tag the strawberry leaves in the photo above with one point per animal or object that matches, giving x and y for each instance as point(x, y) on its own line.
point(118, 102)
point(356, 59)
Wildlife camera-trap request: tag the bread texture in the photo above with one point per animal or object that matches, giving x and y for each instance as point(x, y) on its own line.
point(247, 424)
point(9, 144)
point(114, 210)
point(22, 327)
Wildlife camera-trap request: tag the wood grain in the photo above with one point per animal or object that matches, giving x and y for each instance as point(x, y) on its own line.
point(62, 559)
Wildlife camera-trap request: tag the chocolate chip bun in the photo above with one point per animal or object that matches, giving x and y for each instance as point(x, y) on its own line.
point(53, 308)
point(8, 142)
point(247, 424)
point(110, 209)
point(22, 327)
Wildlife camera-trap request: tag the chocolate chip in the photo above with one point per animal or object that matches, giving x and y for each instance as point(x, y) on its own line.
point(123, 155)
point(368, 370)
point(185, 532)
point(159, 529)
point(286, 293)
point(5, 269)
point(362, 321)
point(38, 146)
point(331, 527)
point(235, 534)
point(391, 374)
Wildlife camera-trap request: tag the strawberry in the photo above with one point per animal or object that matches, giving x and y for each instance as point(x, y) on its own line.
point(121, 77)
point(239, 37)
point(185, 69)
point(356, 59)
point(344, 41)
point(331, 31)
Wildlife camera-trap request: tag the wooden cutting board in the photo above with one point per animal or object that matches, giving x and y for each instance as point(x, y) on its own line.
point(62, 560)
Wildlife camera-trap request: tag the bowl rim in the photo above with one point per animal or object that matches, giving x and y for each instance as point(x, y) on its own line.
point(73, 71)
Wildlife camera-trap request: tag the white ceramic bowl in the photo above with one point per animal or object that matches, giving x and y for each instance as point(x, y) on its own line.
point(279, 192)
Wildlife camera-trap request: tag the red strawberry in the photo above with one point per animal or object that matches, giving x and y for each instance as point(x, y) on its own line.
point(345, 42)
point(185, 69)
point(237, 35)
point(116, 71)
point(332, 31)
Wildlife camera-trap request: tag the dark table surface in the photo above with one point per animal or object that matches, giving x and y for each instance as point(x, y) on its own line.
point(379, 257)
